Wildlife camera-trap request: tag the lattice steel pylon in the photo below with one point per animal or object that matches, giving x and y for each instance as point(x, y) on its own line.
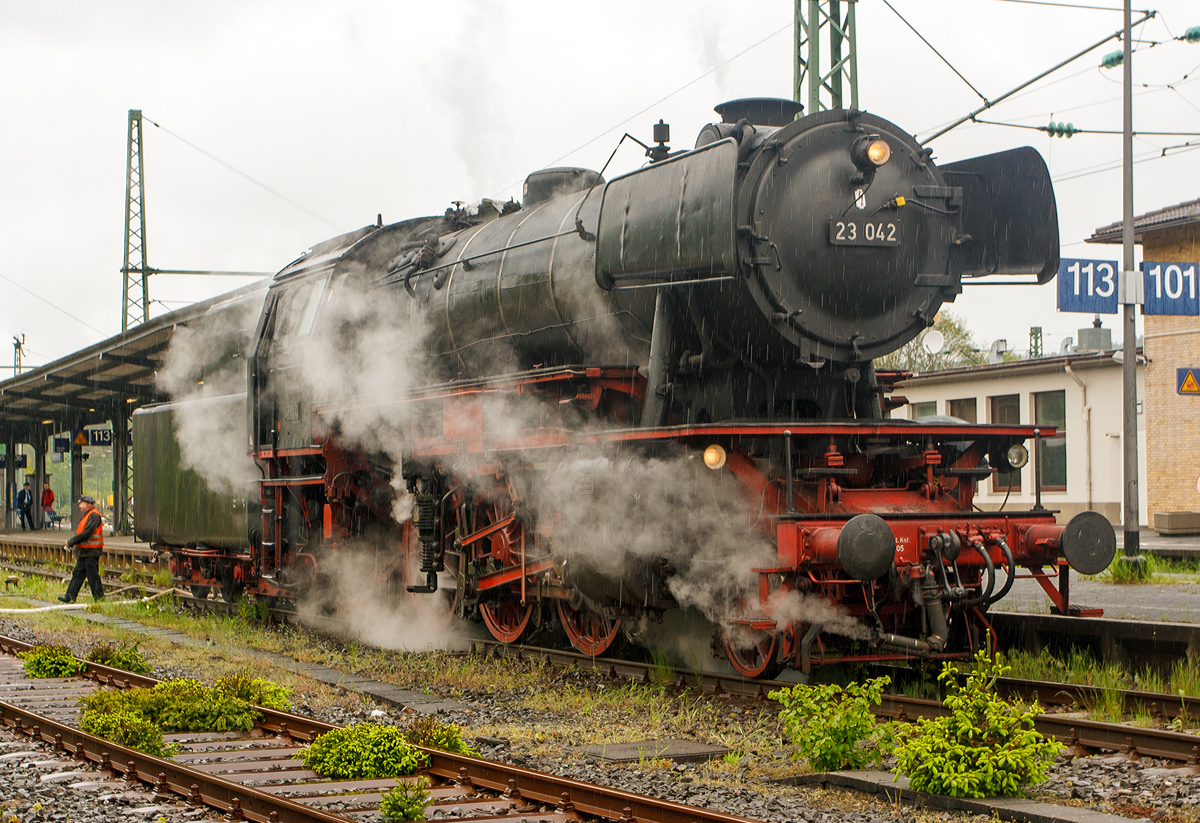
point(135, 291)
point(821, 81)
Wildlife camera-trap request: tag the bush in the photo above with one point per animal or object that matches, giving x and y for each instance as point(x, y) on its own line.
point(985, 747)
point(406, 802)
point(51, 661)
point(433, 734)
point(255, 690)
point(177, 705)
point(128, 729)
point(125, 656)
point(828, 724)
point(362, 751)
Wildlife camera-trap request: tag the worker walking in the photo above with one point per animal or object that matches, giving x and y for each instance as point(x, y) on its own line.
point(88, 542)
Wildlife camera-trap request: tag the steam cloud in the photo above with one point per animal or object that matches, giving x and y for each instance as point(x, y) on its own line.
point(208, 360)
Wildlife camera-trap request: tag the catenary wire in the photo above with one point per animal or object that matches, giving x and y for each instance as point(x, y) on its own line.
point(686, 85)
point(243, 174)
point(935, 51)
point(53, 306)
point(1066, 5)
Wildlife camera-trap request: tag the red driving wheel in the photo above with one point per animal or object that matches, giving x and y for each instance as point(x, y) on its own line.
point(751, 651)
point(589, 631)
point(506, 618)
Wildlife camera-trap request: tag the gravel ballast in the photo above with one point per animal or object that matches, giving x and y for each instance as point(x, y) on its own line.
point(1134, 789)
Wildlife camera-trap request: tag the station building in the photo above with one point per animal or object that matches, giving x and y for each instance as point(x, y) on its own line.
point(1172, 343)
point(1078, 393)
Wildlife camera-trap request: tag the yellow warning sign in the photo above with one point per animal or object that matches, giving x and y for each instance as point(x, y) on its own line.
point(81, 439)
point(1187, 383)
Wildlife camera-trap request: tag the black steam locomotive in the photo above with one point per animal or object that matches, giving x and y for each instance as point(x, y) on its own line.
point(619, 399)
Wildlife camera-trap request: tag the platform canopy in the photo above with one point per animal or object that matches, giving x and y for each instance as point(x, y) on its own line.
point(99, 383)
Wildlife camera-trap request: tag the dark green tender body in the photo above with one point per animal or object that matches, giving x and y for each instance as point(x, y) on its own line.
point(174, 505)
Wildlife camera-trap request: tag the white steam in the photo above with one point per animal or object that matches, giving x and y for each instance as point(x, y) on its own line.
point(207, 360)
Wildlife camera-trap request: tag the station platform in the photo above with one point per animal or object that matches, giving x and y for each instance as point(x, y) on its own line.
point(47, 546)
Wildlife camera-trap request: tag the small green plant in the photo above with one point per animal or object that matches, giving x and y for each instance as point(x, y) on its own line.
point(252, 609)
point(828, 723)
point(125, 656)
point(255, 690)
point(406, 802)
point(364, 751)
point(661, 670)
point(51, 661)
point(163, 579)
point(1122, 572)
point(433, 734)
point(128, 729)
point(984, 747)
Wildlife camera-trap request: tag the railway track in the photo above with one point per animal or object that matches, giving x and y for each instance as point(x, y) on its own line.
point(1083, 736)
point(256, 776)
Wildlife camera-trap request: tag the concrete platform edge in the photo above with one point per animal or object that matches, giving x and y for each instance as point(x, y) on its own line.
point(1018, 809)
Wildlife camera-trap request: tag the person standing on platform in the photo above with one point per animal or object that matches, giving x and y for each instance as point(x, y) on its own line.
point(88, 542)
point(25, 506)
point(47, 503)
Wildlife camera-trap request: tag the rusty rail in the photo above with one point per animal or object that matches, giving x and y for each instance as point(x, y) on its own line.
point(564, 794)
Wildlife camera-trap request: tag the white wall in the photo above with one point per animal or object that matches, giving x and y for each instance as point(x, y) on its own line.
point(1101, 378)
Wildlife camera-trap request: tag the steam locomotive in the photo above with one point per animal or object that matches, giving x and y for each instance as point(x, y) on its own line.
point(618, 399)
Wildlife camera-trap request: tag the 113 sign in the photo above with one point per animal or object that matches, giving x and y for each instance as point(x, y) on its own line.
point(1088, 286)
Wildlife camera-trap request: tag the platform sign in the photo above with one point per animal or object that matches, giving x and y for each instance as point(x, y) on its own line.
point(1087, 286)
point(21, 461)
point(1171, 288)
point(1186, 382)
point(62, 445)
point(100, 437)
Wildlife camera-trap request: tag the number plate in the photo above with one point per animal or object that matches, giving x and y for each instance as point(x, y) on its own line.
point(864, 232)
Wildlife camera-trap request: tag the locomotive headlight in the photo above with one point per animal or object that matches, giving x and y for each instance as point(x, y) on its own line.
point(714, 457)
point(1018, 456)
point(870, 152)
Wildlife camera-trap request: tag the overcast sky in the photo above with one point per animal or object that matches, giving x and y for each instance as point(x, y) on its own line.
point(355, 108)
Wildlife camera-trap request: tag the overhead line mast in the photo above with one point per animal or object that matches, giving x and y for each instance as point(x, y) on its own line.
point(135, 291)
point(828, 78)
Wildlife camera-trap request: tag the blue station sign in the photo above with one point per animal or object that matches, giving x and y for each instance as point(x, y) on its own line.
point(1171, 288)
point(1087, 286)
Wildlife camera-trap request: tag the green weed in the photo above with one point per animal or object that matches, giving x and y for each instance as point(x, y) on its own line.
point(51, 661)
point(406, 802)
point(125, 656)
point(984, 747)
point(364, 751)
point(434, 734)
point(829, 724)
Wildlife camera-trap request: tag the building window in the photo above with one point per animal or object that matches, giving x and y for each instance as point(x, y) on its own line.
point(963, 409)
point(1050, 409)
point(926, 409)
point(1006, 411)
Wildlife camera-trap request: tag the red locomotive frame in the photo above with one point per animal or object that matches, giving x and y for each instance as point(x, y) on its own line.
point(505, 566)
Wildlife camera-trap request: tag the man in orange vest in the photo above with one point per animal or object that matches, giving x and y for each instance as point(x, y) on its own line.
point(88, 542)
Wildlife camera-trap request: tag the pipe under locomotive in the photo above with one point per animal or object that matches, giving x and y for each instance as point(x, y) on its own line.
point(701, 329)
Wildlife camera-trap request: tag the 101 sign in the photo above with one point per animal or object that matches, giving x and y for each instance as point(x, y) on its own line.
point(1090, 287)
